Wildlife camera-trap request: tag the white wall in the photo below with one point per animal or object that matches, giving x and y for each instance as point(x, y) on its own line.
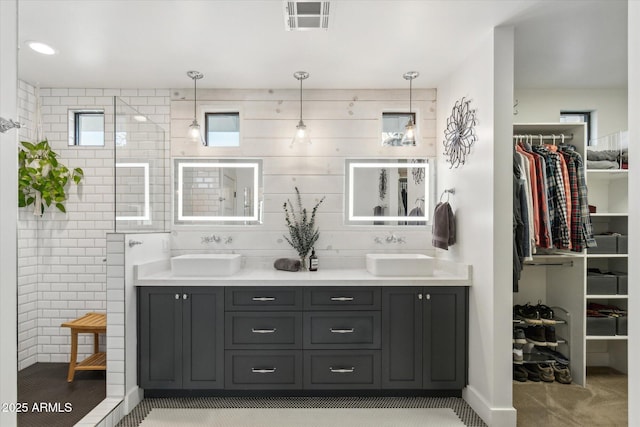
point(634, 212)
point(344, 124)
point(483, 207)
point(8, 216)
point(544, 106)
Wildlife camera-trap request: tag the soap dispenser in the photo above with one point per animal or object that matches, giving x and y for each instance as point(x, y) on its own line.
point(313, 261)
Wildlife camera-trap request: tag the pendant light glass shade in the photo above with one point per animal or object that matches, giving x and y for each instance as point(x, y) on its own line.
point(410, 131)
point(302, 133)
point(195, 133)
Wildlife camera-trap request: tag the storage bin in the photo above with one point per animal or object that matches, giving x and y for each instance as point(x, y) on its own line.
point(621, 325)
point(607, 244)
point(622, 244)
point(622, 283)
point(601, 284)
point(601, 326)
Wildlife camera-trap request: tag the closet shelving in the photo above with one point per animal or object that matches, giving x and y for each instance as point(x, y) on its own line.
point(560, 278)
point(608, 192)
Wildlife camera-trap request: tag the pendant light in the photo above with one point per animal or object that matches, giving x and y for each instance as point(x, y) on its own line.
point(302, 133)
point(195, 134)
point(410, 131)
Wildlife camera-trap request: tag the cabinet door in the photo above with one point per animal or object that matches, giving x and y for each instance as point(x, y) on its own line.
point(203, 337)
point(160, 337)
point(401, 338)
point(445, 338)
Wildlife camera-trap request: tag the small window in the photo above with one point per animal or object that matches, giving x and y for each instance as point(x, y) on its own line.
point(222, 129)
point(393, 125)
point(86, 128)
point(578, 117)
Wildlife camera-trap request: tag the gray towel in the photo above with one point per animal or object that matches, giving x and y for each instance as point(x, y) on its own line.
point(444, 228)
point(287, 264)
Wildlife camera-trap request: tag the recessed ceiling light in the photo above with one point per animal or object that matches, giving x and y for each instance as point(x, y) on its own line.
point(140, 118)
point(42, 48)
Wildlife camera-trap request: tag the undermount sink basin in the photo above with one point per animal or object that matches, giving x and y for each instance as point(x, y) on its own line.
point(206, 264)
point(400, 264)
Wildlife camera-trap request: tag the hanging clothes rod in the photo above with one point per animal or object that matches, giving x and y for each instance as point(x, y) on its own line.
point(541, 137)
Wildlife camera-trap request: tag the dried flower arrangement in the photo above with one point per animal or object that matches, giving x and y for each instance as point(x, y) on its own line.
point(303, 233)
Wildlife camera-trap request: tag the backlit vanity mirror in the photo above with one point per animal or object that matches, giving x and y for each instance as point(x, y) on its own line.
point(221, 191)
point(388, 191)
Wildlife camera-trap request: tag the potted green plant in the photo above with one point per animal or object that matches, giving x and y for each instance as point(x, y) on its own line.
point(42, 179)
point(303, 233)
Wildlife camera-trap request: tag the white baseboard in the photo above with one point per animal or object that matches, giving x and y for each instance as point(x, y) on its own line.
point(493, 417)
point(133, 397)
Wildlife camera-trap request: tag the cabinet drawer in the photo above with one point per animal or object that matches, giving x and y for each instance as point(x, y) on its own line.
point(263, 370)
point(258, 330)
point(263, 298)
point(330, 330)
point(339, 369)
point(338, 298)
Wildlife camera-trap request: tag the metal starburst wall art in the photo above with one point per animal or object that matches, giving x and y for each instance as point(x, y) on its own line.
point(460, 133)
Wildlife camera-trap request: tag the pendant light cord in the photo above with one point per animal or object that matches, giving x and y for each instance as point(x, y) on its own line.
point(410, 92)
point(300, 99)
point(195, 96)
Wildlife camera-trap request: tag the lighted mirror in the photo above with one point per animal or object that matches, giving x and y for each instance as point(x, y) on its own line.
point(227, 191)
point(388, 191)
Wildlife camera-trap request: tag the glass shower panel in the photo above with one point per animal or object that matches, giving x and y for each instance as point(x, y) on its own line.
point(141, 168)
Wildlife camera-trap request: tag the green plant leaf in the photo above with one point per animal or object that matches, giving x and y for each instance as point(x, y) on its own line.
point(61, 207)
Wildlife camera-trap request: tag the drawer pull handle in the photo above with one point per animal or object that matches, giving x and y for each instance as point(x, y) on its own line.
point(263, 370)
point(263, 298)
point(342, 370)
point(263, 331)
point(341, 331)
point(341, 298)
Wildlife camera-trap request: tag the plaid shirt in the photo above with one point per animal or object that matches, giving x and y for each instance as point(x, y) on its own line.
point(557, 200)
point(586, 230)
point(577, 239)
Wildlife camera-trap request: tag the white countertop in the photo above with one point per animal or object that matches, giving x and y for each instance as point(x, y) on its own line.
point(158, 273)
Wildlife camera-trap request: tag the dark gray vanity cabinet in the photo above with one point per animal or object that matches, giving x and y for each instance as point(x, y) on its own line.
point(303, 339)
point(181, 337)
point(424, 338)
point(444, 345)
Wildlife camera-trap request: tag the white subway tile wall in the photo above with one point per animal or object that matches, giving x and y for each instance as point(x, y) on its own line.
point(67, 252)
point(116, 309)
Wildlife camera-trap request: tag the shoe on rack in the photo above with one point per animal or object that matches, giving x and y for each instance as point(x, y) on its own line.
point(546, 314)
point(528, 313)
point(535, 335)
point(553, 354)
point(518, 336)
point(550, 336)
point(519, 373)
point(562, 373)
point(545, 371)
point(518, 356)
point(533, 374)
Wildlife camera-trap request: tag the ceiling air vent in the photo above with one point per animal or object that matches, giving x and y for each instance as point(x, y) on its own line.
point(306, 15)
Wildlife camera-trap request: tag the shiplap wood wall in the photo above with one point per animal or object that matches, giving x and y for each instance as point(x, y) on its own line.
point(344, 124)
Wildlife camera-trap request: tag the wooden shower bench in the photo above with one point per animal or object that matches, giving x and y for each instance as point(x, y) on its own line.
point(90, 323)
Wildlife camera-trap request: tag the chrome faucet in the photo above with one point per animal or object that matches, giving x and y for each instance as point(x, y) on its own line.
point(391, 238)
point(217, 239)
